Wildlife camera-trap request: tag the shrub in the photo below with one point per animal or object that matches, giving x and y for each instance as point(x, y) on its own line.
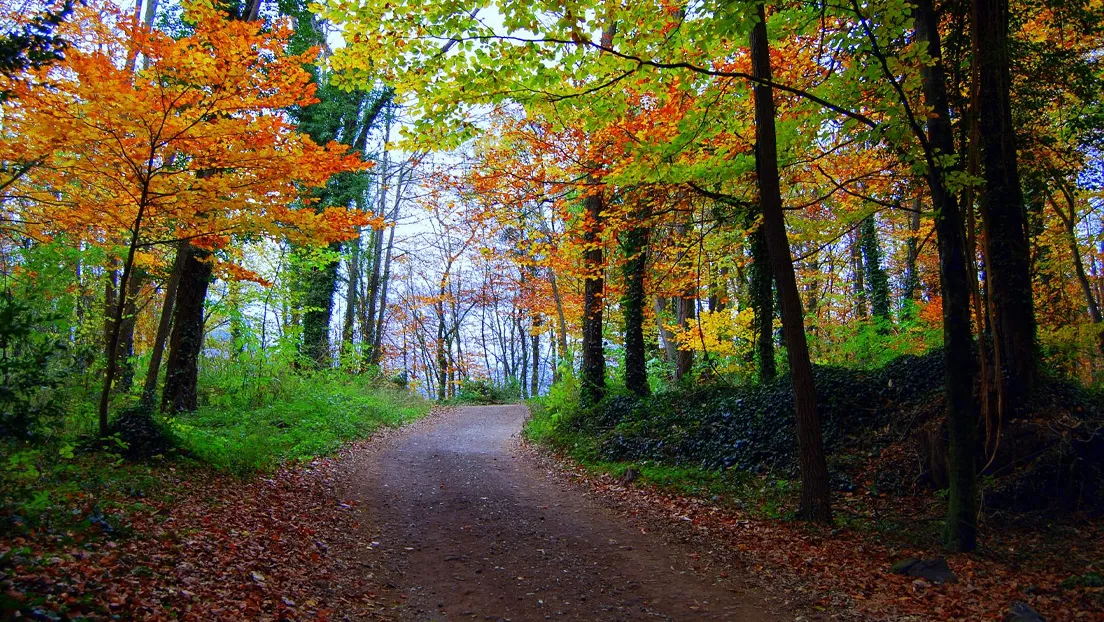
point(33, 364)
point(482, 391)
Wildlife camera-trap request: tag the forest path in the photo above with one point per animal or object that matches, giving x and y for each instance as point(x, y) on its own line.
point(463, 524)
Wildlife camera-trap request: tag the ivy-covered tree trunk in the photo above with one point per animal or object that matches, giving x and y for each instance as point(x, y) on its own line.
point(593, 381)
point(634, 244)
point(961, 527)
point(1002, 209)
point(815, 498)
point(857, 280)
point(186, 340)
point(877, 281)
point(320, 284)
point(762, 303)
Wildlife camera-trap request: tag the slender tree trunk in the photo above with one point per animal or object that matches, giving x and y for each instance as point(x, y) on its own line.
point(666, 339)
point(126, 335)
point(348, 327)
point(815, 498)
point(372, 294)
point(859, 285)
point(762, 302)
point(111, 288)
point(561, 329)
point(634, 245)
point(1069, 223)
point(912, 276)
point(684, 359)
point(186, 340)
point(534, 379)
point(120, 308)
point(158, 349)
point(961, 529)
point(381, 315)
point(593, 386)
point(1002, 209)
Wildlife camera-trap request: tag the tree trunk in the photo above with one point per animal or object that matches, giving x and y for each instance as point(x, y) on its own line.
point(687, 307)
point(126, 335)
point(561, 330)
point(593, 385)
point(351, 290)
point(381, 314)
point(321, 284)
point(186, 340)
point(634, 245)
point(169, 304)
point(111, 285)
point(1002, 209)
point(762, 303)
point(859, 285)
point(877, 281)
point(961, 528)
point(912, 276)
point(1070, 224)
point(534, 379)
point(666, 339)
point(815, 498)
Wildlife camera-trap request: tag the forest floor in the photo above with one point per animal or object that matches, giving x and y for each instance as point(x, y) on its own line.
point(456, 517)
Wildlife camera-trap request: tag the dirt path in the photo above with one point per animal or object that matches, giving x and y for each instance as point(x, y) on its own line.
point(462, 525)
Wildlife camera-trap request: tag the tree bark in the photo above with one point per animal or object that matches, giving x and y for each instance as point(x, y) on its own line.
point(1002, 210)
point(534, 379)
point(912, 276)
point(321, 284)
point(762, 303)
point(562, 352)
point(815, 498)
point(348, 327)
point(593, 385)
point(1069, 222)
point(126, 334)
point(634, 245)
point(961, 527)
point(877, 281)
point(859, 284)
point(169, 304)
point(186, 340)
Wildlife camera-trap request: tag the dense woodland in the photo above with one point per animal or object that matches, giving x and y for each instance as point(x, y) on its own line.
point(680, 229)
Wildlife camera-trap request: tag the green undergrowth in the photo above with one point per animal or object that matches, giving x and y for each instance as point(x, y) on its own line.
point(302, 416)
point(478, 391)
point(881, 428)
point(761, 495)
point(249, 421)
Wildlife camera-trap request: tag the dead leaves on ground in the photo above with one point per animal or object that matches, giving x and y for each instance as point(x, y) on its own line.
point(258, 549)
point(844, 572)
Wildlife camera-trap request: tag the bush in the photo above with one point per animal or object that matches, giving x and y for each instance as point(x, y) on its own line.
point(481, 391)
point(33, 364)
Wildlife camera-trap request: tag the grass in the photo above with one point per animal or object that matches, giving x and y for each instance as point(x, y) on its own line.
point(306, 417)
point(250, 420)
